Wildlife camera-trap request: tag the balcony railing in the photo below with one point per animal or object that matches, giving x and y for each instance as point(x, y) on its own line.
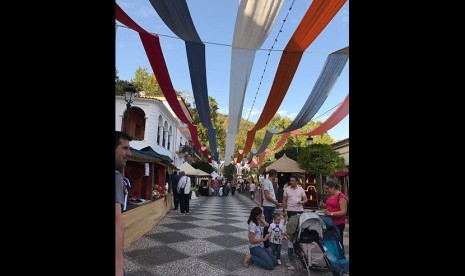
point(186, 150)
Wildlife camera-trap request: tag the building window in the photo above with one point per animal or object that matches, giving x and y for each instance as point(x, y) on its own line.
point(159, 129)
point(136, 124)
point(164, 133)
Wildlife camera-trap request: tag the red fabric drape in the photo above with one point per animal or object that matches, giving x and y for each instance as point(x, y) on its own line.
point(239, 158)
point(317, 17)
point(281, 141)
point(154, 53)
point(334, 119)
point(262, 157)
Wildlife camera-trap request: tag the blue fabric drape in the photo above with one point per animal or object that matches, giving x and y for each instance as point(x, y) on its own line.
point(176, 15)
point(198, 73)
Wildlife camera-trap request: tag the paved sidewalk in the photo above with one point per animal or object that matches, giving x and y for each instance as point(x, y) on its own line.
point(210, 240)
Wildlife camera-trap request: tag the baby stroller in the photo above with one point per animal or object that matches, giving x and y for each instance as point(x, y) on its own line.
point(316, 243)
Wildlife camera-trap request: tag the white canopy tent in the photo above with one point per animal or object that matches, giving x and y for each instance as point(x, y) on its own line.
point(188, 169)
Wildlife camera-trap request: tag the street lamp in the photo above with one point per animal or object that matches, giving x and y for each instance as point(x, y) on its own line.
point(309, 140)
point(128, 94)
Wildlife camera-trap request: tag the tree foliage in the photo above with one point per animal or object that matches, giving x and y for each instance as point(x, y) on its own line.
point(147, 83)
point(320, 159)
point(144, 81)
point(203, 165)
point(290, 152)
point(228, 171)
point(122, 85)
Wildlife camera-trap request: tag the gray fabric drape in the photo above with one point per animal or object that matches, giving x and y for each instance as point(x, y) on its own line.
point(266, 141)
point(332, 70)
point(176, 15)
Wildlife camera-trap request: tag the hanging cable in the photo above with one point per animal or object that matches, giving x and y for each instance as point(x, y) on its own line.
point(266, 63)
point(327, 111)
point(229, 45)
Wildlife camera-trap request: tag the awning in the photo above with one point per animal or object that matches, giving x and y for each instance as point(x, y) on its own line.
point(340, 173)
point(148, 157)
point(140, 156)
point(155, 154)
point(285, 165)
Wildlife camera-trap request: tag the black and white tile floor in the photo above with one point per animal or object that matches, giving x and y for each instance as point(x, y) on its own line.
point(210, 240)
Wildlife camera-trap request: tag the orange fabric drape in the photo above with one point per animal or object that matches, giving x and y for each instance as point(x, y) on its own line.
point(317, 17)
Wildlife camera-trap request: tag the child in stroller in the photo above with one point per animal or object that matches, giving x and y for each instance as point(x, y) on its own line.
point(316, 243)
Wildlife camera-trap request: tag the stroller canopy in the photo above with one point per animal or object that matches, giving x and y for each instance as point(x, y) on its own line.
point(311, 221)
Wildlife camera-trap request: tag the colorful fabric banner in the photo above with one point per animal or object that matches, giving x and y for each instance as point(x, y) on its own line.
point(332, 69)
point(317, 17)
point(334, 119)
point(155, 56)
point(254, 21)
point(176, 15)
point(341, 112)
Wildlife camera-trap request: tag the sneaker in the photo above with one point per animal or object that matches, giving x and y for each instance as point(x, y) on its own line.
point(290, 267)
point(181, 213)
point(187, 213)
point(279, 261)
point(247, 259)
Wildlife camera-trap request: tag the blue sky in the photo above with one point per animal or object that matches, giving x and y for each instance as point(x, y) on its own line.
point(214, 21)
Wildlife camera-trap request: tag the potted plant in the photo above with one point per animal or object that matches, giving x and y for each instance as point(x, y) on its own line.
point(195, 190)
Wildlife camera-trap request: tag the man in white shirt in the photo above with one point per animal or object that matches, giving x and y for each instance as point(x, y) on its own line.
point(184, 189)
point(294, 199)
point(269, 202)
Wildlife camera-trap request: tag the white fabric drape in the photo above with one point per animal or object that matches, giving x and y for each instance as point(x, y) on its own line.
point(254, 21)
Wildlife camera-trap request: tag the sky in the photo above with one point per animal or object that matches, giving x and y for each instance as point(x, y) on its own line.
point(214, 21)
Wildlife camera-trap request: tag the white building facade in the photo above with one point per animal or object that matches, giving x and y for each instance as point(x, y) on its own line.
point(152, 123)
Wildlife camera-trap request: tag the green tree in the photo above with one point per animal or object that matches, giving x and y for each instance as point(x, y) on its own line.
point(319, 159)
point(203, 165)
point(228, 171)
point(145, 82)
point(245, 173)
point(290, 152)
point(121, 85)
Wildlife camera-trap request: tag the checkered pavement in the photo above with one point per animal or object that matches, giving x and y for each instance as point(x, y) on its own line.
point(211, 240)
